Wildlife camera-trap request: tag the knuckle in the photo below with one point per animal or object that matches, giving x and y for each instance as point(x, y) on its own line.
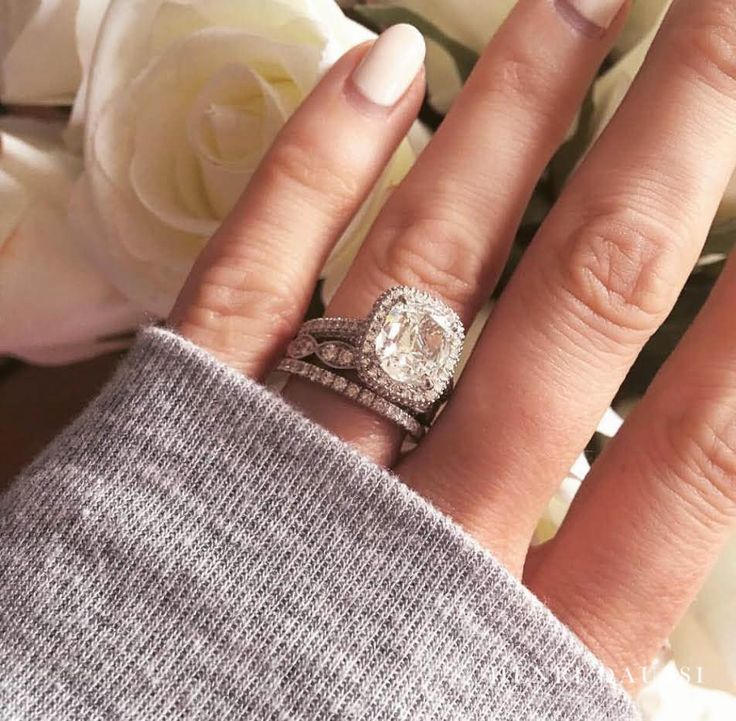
point(293, 161)
point(706, 45)
point(616, 271)
point(698, 443)
point(234, 303)
point(524, 80)
point(431, 253)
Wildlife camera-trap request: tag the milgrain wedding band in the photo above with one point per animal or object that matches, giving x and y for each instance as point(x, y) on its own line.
point(398, 361)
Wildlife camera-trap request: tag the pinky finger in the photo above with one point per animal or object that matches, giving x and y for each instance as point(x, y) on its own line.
point(658, 505)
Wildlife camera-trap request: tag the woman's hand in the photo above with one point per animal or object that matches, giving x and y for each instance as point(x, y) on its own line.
point(599, 279)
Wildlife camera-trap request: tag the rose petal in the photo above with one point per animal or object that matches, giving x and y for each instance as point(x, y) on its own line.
point(238, 114)
point(151, 282)
point(51, 295)
point(291, 22)
point(159, 252)
point(230, 126)
point(121, 52)
point(42, 65)
point(89, 20)
point(162, 98)
point(31, 152)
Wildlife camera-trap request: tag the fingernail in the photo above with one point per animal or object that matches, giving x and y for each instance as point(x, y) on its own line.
point(390, 66)
point(599, 13)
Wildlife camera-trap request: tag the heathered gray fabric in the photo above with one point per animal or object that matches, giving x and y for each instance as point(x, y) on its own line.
point(193, 548)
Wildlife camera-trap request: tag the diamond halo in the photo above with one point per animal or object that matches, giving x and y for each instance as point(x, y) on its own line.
point(410, 348)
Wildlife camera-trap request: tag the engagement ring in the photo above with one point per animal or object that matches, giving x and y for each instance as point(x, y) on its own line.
point(399, 361)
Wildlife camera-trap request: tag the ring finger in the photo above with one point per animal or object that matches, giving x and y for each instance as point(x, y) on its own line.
point(449, 226)
point(657, 506)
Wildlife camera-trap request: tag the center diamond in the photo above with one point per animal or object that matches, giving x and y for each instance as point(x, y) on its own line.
point(415, 342)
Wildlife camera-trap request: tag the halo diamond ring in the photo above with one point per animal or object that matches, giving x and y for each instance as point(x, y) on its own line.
point(405, 352)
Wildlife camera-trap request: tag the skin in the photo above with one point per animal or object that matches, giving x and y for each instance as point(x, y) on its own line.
point(599, 279)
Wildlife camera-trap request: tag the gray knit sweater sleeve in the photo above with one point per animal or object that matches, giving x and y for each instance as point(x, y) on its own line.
point(193, 548)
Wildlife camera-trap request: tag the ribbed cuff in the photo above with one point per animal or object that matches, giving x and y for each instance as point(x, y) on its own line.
point(192, 547)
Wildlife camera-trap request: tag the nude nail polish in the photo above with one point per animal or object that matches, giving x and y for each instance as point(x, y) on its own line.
point(600, 13)
point(390, 66)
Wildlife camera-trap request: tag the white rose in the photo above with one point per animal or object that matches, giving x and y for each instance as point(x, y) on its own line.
point(184, 98)
point(54, 305)
point(45, 47)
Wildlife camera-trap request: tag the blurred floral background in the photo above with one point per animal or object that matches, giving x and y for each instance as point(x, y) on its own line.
point(129, 127)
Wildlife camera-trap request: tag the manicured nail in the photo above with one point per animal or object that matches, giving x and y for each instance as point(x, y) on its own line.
point(599, 13)
point(390, 66)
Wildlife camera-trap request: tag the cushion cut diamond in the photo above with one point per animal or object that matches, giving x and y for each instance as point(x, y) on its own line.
point(411, 345)
point(416, 342)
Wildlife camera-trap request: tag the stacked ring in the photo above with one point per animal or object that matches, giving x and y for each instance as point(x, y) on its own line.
point(398, 361)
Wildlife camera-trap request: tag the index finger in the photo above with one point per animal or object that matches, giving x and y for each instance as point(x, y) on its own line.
point(251, 285)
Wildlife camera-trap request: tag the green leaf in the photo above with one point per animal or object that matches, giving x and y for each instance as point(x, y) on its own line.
point(570, 152)
point(380, 17)
point(721, 239)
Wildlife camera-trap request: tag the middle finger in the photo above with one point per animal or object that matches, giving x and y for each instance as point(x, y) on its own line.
point(449, 226)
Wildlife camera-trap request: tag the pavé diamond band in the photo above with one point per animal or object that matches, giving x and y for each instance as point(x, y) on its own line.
point(399, 361)
point(355, 392)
